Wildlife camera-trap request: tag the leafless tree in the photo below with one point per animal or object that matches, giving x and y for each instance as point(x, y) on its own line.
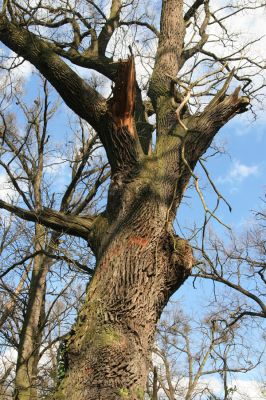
point(188, 352)
point(140, 261)
point(240, 266)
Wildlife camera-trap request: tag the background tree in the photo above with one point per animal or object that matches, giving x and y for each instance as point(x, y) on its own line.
point(25, 157)
point(200, 358)
point(239, 265)
point(140, 262)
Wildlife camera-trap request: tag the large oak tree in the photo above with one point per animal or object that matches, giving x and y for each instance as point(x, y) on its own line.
point(140, 261)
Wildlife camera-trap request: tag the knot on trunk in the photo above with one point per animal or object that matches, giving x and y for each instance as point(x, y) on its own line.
point(181, 261)
point(182, 255)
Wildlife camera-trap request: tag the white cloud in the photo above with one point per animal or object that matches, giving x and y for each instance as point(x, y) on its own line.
point(247, 389)
point(239, 172)
point(246, 26)
point(244, 389)
point(6, 190)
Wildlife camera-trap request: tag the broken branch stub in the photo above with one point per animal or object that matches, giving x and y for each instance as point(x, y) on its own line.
point(122, 104)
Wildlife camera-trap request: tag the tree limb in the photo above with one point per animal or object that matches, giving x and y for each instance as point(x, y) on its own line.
point(168, 56)
point(60, 222)
point(203, 36)
point(77, 94)
point(216, 114)
point(236, 287)
point(151, 27)
point(109, 27)
point(191, 12)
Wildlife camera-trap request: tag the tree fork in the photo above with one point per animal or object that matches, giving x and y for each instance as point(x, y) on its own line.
point(140, 263)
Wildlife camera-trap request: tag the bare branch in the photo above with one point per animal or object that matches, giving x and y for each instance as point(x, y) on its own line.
point(192, 10)
point(77, 94)
point(64, 223)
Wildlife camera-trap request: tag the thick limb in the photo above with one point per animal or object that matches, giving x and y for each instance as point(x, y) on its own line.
point(78, 95)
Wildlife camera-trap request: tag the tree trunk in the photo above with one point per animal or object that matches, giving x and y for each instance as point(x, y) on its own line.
point(139, 266)
point(31, 332)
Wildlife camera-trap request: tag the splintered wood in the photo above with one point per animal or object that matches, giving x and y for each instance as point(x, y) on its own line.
point(122, 103)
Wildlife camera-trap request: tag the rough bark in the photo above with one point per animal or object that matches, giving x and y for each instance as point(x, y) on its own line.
point(138, 269)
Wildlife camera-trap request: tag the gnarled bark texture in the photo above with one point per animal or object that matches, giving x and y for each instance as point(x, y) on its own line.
point(139, 267)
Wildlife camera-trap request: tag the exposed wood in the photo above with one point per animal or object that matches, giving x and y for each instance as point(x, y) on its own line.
point(122, 104)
